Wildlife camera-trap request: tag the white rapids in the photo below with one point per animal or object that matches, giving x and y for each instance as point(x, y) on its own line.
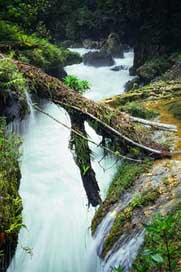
point(55, 211)
point(104, 82)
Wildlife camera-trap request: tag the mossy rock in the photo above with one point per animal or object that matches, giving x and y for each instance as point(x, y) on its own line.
point(123, 219)
point(127, 173)
point(153, 68)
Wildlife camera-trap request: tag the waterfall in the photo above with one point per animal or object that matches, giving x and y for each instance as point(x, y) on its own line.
point(105, 226)
point(55, 208)
point(30, 105)
point(126, 252)
point(20, 126)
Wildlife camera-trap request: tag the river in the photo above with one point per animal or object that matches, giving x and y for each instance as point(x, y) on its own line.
point(55, 206)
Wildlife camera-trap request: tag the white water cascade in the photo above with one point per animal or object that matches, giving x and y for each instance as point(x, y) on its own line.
point(55, 211)
point(104, 82)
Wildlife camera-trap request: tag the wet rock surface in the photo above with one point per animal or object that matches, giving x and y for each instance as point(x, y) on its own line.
point(12, 106)
point(113, 46)
point(98, 59)
point(165, 178)
point(119, 68)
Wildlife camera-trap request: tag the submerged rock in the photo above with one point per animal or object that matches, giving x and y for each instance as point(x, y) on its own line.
point(119, 68)
point(98, 59)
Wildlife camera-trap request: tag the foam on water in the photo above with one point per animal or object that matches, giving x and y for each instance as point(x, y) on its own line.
point(104, 82)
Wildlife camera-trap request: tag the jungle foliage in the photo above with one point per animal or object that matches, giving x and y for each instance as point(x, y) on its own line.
point(76, 84)
point(162, 246)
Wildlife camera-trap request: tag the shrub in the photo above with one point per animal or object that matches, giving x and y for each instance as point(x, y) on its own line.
point(10, 202)
point(162, 245)
point(138, 110)
point(74, 83)
point(35, 50)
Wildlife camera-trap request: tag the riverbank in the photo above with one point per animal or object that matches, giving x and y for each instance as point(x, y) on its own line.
point(10, 201)
point(145, 198)
point(156, 190)
point(14, 108)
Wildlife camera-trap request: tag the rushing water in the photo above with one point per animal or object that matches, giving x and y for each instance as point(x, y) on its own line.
point(56, 214)
point(104, 82)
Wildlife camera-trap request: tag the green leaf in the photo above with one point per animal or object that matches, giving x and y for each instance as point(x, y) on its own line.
point(157, 258)
point(85, 169)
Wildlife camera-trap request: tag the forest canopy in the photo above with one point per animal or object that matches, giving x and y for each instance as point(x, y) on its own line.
point(79, 19)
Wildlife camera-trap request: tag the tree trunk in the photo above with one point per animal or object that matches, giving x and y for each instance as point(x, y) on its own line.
point(113, 122)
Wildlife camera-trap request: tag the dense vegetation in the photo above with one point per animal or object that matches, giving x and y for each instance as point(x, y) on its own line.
point(154, 28)
point(10, 201)
point(34, 50)
point(162, 246)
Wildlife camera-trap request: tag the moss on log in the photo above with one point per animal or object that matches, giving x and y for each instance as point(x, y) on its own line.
point(114, 123)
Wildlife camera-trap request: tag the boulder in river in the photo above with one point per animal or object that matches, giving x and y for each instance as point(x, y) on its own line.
point(113, 46)
point(98, 59)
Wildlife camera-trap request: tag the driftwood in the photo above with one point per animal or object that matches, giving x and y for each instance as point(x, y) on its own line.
point(114, 131)
point(156, 125)
point(114, 123)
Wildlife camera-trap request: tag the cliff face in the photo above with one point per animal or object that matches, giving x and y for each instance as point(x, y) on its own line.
point(12, 107)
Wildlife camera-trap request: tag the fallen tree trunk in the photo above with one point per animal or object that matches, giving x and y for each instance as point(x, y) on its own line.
point(113, 122)
point(87, 139)
point(157, 125)
point(82, 157)
point(114, 131)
